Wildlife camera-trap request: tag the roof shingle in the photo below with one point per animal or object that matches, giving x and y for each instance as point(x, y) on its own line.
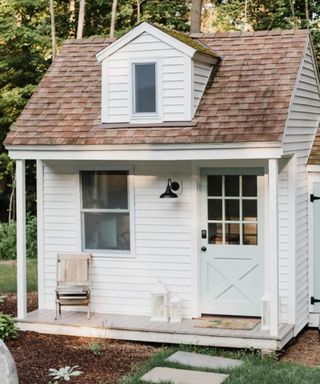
point(247, 101)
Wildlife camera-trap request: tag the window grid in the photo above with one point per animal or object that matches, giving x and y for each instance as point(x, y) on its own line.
point(241, 220)
point(100, 210)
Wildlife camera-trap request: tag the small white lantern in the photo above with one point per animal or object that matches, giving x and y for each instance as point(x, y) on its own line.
point(265, 320)
point(175, 309)
point(159, 303)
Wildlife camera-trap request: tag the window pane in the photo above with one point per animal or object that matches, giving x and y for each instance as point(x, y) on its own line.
point(232, 210)
point(106, 231)
point(104, 189)
point(249, 185)
point(250, 234)
point(215, 233)
point(232, 185)
point(145, 88)
point(214, 209)
point(214, 185)
point(249, 210)
point(232, 233)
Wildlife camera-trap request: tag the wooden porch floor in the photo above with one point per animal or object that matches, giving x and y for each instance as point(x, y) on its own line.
point(140, 328)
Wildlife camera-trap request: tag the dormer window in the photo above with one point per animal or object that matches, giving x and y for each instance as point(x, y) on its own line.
point(144, 88)
point(152, 75)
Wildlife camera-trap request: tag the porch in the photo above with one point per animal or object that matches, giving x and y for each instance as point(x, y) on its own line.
point(165, 245)
point(140, 328)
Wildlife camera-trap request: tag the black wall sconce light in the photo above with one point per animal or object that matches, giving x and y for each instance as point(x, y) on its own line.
point(171, 186)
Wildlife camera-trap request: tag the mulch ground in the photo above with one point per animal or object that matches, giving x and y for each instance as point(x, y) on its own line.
point(305, 350)
point(10, 304)
point(35, 353)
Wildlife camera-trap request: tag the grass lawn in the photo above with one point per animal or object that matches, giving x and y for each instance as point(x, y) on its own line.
point(255, 370)
point(8, 275)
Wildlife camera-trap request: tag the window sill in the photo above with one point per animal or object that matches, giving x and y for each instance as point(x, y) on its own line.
point(141, 118)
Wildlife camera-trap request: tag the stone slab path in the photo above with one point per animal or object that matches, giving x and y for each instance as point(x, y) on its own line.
point(198, 360)
point(182, 376)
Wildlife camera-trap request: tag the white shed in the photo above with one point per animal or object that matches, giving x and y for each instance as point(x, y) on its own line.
point(232, 119)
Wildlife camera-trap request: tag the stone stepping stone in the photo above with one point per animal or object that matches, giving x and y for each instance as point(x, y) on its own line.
point(198, 360)
point(182, 376)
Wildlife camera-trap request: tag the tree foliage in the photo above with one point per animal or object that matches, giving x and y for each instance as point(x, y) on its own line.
point(235, 15)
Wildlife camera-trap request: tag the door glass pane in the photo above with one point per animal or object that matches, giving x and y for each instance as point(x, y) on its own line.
point(104, 189)
point(214, 185)
point(232, 233)
point(249, 210)
point(106, 231)
point(214, 209)
point(215, 233)
point(249, 185)
point(232, 185)
point(250, 234)
point(232, 210)
point(145, 88)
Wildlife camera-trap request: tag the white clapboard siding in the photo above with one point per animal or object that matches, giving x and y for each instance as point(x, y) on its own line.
point(162, 238)
point(301, 127)
point(172, 70)
point(201, 75)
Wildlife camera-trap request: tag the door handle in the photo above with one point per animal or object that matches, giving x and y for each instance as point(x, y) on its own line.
point(203, 248)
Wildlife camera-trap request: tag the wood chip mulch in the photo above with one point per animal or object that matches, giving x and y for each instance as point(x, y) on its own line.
point(9, 306)
point(35, 353)
point(305, 350)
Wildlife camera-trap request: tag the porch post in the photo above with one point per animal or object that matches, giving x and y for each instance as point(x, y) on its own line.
point(21, 240)
point(272, 256)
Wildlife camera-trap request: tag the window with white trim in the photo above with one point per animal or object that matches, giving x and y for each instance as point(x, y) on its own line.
point(144, 88)
point(105, 210)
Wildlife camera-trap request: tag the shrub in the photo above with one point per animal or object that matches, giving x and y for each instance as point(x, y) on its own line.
point(8, 241)
point(31, 235)
point(8, 328)
point(95, 348)
point(8, 232)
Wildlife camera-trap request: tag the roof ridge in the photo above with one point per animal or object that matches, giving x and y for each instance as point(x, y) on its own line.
point(201, 35)
point(90, 40)
point(272, 32)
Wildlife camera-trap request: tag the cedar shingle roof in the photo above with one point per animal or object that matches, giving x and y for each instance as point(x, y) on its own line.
point(247, 101)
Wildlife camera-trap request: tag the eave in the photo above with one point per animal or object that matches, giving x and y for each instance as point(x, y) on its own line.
point(144, 152)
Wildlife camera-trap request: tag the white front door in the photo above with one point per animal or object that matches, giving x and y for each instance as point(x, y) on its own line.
point(231, 242)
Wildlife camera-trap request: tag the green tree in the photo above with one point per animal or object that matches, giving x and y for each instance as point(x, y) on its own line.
point(234, 15)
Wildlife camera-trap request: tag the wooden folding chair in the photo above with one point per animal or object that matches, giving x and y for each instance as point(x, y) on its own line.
point(73, 281)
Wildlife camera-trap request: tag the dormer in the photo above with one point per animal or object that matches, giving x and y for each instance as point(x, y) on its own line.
point(153, 75)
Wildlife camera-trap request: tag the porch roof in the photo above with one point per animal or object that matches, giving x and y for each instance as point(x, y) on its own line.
point(248, 100)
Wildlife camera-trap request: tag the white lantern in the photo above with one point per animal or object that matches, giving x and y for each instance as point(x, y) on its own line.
point(265, 320)
point(175, 309)
point(159, 303)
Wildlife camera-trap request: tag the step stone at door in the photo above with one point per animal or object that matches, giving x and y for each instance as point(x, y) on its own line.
point(182, 376)
point(198, 360)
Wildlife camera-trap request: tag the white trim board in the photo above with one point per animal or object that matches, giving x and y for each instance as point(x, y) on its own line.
point(271, 344)
point(40, 234)
point(149, 152)
point(153, 31)
point(313, 168)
